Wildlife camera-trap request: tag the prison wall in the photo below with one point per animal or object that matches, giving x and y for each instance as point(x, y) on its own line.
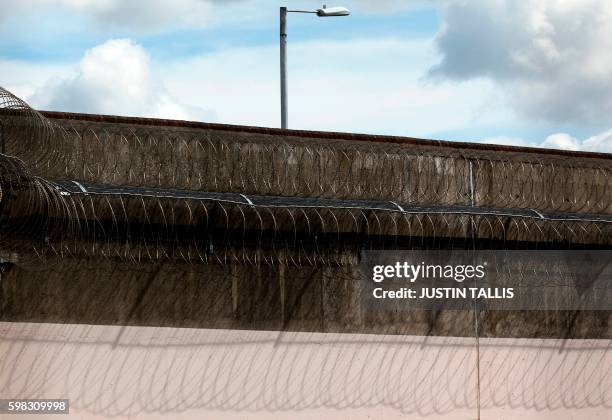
point(136, 278)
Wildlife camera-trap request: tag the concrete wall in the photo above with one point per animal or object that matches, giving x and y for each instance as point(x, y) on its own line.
point(181, 373)
point(307, 165)
point(281, 298)
point(92, 278)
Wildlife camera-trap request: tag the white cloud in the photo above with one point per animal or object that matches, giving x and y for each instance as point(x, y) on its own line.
point(114, 78)
point(134, 14)
point(144, 13)
point(388, 6)
point(601, 143)
point(562, 141)
point(552, 58)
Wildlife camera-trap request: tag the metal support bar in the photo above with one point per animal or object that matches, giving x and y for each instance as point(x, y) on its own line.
point(81, 187)
point(283, 65)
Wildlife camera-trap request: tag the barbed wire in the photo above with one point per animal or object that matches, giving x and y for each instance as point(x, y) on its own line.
point(151, 192)
point(266, 164)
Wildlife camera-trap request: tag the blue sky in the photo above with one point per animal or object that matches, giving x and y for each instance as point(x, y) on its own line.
point(535, 72)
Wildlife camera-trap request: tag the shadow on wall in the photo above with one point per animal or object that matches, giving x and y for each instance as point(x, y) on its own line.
point(126, 371)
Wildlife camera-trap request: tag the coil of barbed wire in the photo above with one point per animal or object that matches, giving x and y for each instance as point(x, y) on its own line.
point(102, 189)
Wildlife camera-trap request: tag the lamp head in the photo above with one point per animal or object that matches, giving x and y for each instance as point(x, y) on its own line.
point(333, 11)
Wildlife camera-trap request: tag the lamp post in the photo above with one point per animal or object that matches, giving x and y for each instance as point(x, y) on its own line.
point(323, 12)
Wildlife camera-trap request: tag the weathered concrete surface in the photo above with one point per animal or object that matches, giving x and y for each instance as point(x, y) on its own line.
point(273, 162)
point(89, 280)
point(283, 298)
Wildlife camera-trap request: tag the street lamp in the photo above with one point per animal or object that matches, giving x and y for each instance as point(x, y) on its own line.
point(323, 12)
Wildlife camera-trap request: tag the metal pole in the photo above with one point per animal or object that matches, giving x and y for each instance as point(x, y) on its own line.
point(283, 65)
point(2, 137)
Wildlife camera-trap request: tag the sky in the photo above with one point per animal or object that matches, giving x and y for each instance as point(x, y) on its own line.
point(529, 72)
